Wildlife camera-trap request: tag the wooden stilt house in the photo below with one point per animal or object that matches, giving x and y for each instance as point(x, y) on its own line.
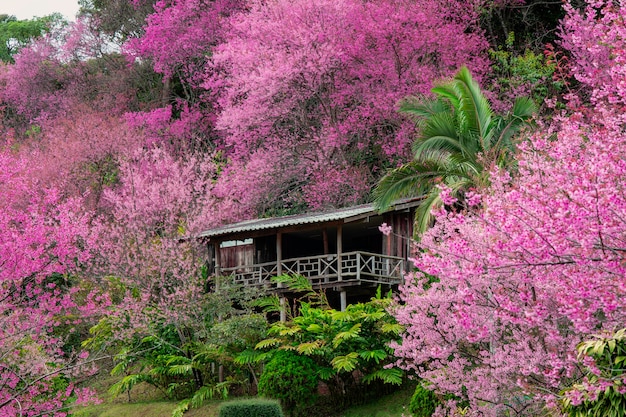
point(341, 251)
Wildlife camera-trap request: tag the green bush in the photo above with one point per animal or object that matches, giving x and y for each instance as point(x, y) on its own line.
point(251, 408)
point(290, 378)
point(602, 359)
point(423, 402)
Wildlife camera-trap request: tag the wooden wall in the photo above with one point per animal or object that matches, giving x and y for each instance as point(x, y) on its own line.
point(398, 242)
point(237, 255)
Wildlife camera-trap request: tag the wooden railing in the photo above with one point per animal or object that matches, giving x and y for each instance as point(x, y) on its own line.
point(323, 270)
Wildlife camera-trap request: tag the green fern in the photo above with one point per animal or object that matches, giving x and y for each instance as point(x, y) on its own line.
point(346, 363)
point(387, 375)
point(128, 382)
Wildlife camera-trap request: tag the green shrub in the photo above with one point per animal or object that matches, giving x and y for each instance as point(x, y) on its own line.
point(251, 408)
point(602, 358)
point(423, 402)
point(290, 378)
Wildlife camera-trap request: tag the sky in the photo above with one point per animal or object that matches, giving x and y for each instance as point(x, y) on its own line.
point(27, 9)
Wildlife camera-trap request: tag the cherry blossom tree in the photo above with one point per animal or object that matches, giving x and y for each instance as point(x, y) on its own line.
point(159, 203)
point(68, 69)
point(596, 37)
point(43, 245)
point(177, 39)
point(326, 91)
point(516, 287)
point(179, 34)
point(79, 154)
point(504, 294)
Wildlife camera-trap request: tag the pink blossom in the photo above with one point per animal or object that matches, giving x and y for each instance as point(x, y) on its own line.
point(521, 282)
point(385, 229)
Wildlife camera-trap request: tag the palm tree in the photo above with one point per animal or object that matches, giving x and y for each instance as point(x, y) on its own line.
point(459, 140)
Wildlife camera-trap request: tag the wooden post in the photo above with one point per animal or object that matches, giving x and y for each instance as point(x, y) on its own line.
point(283, 309)
point(325, 240)
point(218, 259)
point(342, 292)
point(339, 250)
point(210, 247)
point(279, 253)
point(218, 272)
point(279, 271)
point(408, 236)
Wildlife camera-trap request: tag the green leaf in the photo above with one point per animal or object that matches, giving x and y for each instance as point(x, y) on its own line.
point(268, 304)
point(394, 328)
point(377, 355)
point(308, 348)
point(128, 382)
point(175, 359)
point(345, 363)
point(119, 368)
point(342, 316)
point(202, 395)
point(325, 373)
point(248, 357)
point(181, 408)
point(263, 344)
point(388, 376)
point(350, 334)
point(178, 370)
point(290, 331)
point(315, 328)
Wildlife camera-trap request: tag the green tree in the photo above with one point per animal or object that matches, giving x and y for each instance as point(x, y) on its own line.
point(340, 342)
point(188, 357)
point(292, 379)
point(15, 34)
point(459, 140)
point(120, 19)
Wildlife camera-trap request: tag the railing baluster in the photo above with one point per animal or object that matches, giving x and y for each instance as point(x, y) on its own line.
point(354, 266)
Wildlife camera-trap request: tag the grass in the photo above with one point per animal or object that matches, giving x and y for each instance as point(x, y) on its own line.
point(145, 409)
point(155, 409)
point(393, 405)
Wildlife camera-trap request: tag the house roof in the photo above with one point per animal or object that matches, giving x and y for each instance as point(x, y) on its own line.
point(347, 215)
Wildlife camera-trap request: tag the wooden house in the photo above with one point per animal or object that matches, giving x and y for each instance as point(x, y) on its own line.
point(341, 251)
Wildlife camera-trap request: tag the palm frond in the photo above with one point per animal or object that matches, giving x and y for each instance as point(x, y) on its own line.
point(421, 107)
point(439, 124)
point(459, 139)
point(473, 103)
point(463, 168)
point(448, 91)
point(423, 217)
point(409, 180)
point(523, 110)
point(442, 145)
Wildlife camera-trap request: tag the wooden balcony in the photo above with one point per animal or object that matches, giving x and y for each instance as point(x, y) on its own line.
point(346, 269)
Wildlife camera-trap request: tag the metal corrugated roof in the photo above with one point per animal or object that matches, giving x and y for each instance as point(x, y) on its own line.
point(345, 214)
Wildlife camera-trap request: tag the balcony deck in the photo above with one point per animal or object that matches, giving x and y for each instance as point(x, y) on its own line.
point(346, 269)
